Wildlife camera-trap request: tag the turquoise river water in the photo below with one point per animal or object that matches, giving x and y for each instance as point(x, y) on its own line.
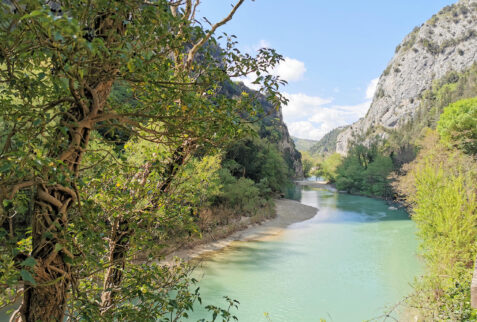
point(351, 262)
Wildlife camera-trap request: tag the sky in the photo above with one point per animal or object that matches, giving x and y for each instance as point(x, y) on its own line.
point(334, 51)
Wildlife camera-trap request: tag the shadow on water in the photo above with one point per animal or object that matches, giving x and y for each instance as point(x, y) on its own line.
point(340, 207)
point(252, 255)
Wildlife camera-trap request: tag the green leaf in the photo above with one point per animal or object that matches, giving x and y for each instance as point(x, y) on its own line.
point(131, 65)
point(26, 276)
point(67, 259)
point(58, 247)
point(32, 14)
point(30, 262)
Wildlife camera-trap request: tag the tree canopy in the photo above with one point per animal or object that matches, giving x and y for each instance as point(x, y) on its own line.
point(78, 80)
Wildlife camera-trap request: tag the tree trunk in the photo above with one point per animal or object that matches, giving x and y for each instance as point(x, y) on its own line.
point(46, 299)
point(121, 233)
point(118, 248)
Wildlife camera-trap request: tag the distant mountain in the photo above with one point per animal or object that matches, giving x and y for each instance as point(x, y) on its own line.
point(327, 144)
point(439, 51)
point(303, 145)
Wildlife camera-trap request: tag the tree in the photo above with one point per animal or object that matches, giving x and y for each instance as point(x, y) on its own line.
point(329, 166)
point(439, 187)
point(307, 164)
point(365, 170)
point(59, 63)
point(458, 125)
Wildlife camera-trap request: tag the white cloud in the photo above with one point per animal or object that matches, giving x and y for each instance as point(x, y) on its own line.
point(302, 106)
point(305, 130)
point(290, 69)
point(248, 82)
point(311, 117)
point(262, 44)
point(371, 89)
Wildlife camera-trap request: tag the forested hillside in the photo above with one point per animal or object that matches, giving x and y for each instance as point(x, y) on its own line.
point(303, 144)
point(327, 144)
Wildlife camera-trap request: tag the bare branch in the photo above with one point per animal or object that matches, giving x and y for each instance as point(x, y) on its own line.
point(197, 46)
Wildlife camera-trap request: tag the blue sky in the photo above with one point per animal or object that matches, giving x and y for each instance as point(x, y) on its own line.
point(335, 50)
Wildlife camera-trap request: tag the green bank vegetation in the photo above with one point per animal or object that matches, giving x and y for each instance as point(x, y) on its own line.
point(440, 187)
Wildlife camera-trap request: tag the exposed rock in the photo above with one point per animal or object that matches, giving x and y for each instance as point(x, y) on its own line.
point(272, 116)
point(446, 42)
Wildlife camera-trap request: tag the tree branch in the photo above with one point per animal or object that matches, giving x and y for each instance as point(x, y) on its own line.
point(197, 46)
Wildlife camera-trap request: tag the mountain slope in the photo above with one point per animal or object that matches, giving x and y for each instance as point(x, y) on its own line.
point(272, 127)
point(446, 42)
point(303, 144)
point(327, 144)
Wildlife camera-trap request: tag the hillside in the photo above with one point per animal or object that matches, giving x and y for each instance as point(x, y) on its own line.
point(303, 144)
point(327, 144)
point(270, 126)
point(444, 44)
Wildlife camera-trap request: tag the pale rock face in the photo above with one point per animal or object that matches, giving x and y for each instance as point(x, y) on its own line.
point(447, 42)
point(287, 146)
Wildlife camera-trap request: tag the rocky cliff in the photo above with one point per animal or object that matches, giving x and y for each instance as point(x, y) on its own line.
point(446, 42)
point(272, 127)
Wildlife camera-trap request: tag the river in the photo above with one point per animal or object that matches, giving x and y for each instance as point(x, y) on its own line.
point(351, 262)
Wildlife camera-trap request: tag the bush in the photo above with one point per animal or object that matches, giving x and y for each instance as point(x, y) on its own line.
point(329, 166)
point(257, 159)
point(440, 186)
point(240, 193)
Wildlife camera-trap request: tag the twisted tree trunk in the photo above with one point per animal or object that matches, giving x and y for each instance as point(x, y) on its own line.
point(46, 299)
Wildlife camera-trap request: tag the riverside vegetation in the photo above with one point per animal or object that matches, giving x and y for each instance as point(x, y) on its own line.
point(122, 136)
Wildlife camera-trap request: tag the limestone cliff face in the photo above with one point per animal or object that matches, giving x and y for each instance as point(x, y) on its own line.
point(273, 117)
point(446, 42)
point(284, 141)
point(286, 146)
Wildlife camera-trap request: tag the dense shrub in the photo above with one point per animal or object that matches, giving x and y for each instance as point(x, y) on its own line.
point(327, 168)
point(440, 187)
point(260, 161)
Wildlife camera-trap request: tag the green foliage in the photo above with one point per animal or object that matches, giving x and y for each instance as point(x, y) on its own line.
point(327, 144)
point(365, 171)
point(439, 185)
point(258, 160)
point(303, 145)
point(239, 193)
point(307, 166)
point(328, 167)
point(458, 125)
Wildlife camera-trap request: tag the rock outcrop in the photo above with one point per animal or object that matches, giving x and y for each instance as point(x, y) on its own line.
point(272, 117)
point(446, 42)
